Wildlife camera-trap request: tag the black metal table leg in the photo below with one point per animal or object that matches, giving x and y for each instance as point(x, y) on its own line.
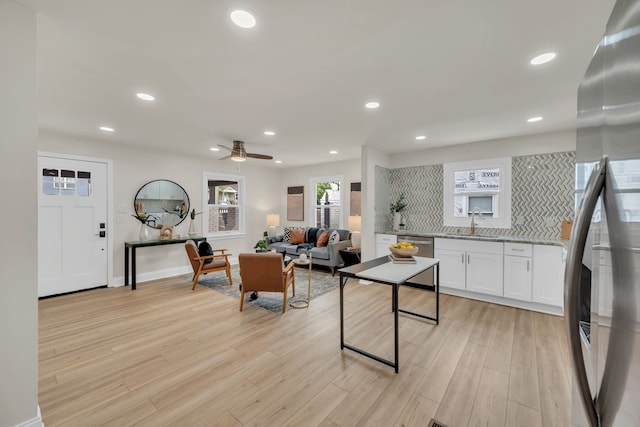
point(437, 294)
point(126, 265)
point(342, 282)
point(395, 287)
point(133, 268)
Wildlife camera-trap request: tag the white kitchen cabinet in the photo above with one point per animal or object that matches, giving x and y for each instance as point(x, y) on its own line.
point(150, 190)
point(485, 272)
point(518, 275)
point(470, 265)
point(452, 267)
point(383, 241)
point(548, 275)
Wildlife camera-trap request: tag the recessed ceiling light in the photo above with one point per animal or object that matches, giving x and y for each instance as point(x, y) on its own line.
point(543, 59)
point(421, 137)
point(269, 132)
point(278, 161)
point(333, 152)
point(145, 96)
point(243, 19)
point(372, 104)
point(106, 128)
point(534, 119)
point(214, 149)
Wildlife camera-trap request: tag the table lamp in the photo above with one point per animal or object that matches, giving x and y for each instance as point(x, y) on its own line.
point(355, 225)
point(273, 221)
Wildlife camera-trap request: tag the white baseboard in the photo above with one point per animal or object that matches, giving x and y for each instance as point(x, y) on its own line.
point(161, 274)
point(153, 275)
point(533, 306)
point(33, 422)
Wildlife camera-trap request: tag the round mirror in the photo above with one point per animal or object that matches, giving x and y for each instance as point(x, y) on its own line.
point(164, 203)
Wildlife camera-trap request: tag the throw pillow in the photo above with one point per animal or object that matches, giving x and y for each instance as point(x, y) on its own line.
point(312, 234)
point(297, 236)
point(323, 239)
point(287, 234)
point(205, 249)
point(334, 237)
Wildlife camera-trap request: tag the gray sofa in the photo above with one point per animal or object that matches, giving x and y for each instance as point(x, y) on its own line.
point(326, 255)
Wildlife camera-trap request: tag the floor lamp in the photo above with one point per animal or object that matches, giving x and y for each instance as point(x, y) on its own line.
point(355, 225)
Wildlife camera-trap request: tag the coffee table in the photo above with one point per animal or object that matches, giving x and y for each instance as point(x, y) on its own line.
point(302, 303)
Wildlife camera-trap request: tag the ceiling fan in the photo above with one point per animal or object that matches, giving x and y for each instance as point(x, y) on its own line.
point(239, 154)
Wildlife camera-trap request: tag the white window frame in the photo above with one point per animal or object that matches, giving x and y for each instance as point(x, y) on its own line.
point(313, 181)
point(501, 200)
point(213, 176)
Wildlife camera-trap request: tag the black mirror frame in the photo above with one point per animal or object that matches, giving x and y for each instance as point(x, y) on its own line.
point(186, 214)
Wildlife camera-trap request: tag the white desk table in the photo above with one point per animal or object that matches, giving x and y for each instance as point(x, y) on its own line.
point(382, 270)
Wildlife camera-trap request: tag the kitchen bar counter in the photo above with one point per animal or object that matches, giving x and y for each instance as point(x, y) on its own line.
point(484, 237)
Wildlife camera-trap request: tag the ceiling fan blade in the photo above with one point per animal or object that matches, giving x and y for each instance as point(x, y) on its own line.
point(225, 157)
point(224, 146)
point(259, 156)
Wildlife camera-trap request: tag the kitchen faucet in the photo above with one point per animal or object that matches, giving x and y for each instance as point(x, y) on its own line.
point(475, 211)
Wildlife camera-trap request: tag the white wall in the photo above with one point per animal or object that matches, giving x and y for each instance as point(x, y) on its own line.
point(348, 169)
point(371, 158)
point(554, 142)
point(134, 166)
point(18, 245)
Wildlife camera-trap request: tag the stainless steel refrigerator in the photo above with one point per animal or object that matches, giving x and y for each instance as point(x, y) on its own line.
point(602, 277)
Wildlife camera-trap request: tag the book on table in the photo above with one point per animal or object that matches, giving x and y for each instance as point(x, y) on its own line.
point(402, 260)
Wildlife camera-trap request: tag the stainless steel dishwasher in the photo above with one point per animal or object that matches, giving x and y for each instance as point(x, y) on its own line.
point(425, 249)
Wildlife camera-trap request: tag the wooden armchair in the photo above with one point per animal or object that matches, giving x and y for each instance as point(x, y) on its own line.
point(264, 272)
point(220, 261)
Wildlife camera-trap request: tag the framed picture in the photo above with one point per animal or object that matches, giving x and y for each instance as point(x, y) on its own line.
point(295, 203)
point(355, 201)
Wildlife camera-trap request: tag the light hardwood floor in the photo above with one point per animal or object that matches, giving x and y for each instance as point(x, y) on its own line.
point(164, 355)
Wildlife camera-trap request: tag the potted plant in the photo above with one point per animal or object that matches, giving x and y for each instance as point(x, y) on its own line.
point(261, 246)
point(396, 211)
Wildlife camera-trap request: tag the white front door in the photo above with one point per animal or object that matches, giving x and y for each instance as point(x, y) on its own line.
point(72, 225)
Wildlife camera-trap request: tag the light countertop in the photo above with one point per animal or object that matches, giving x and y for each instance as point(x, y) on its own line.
point(484, 237)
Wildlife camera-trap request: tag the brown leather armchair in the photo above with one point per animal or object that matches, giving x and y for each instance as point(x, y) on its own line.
point(264, 272)
point(220, 262)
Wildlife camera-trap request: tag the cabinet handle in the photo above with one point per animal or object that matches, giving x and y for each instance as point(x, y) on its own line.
point(517, 250)
point(468, 259)
point(528, 265)
point(462, 258)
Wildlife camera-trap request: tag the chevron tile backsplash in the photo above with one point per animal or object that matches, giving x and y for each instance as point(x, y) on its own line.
point(542, 196)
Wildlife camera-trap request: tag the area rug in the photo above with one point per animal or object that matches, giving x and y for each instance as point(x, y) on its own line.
point(321, 283)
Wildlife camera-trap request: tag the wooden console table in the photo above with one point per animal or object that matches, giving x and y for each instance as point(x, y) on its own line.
point(143, 244)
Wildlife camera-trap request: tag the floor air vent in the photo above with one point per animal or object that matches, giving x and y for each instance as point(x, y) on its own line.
point(435, 423)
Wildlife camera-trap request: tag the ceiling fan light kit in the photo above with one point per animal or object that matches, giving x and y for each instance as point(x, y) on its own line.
point(239, 154)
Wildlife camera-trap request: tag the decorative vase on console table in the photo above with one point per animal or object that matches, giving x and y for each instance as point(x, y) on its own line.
point(192, 224)
point(144, 232)
point(192, 228)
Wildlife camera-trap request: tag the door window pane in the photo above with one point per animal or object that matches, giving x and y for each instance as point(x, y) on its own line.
point(67, 182)
point(50, 182)
point(84, 184)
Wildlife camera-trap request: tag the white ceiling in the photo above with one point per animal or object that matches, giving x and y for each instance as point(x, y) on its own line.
point(456, 71)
